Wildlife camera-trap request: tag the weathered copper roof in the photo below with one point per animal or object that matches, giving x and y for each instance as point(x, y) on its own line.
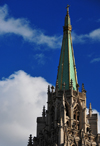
point(67, 68)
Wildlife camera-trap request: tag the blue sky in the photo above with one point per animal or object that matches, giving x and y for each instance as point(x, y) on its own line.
point(30, 42)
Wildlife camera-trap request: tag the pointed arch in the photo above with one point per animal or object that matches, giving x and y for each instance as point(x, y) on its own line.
point(73, 144)
point(67, 110)
point(76, 116)
point(77, 102)
point(67, 103)
point(52, 113)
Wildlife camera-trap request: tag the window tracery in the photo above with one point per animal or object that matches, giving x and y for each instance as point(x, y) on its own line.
point(76, 116)
point(67, 114)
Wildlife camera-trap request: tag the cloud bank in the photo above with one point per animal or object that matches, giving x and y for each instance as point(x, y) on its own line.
point(21, 100)
point(92, 36)
point(95, 60)
point(20, 26)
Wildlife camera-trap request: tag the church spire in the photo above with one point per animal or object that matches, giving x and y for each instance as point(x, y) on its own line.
point(67, 68)
point(67, 9)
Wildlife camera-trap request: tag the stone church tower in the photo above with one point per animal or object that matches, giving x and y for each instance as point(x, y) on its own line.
point(65, 122)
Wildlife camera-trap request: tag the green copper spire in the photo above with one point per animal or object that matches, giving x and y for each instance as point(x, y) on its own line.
point(67, 68)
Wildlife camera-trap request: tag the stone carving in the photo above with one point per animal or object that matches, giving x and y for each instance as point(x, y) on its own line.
point(65, 122)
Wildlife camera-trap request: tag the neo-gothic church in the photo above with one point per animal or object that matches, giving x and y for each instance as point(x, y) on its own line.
point(65, 122)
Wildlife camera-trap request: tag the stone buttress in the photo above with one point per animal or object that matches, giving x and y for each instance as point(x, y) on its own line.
point(65, 122)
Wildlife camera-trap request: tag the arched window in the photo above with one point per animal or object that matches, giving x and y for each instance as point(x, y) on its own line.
point(78, 117)
point(73, 145)
point(67, 123)
point(74, 116)
point(52, 114)
point(76, 113)
point(58, 111)
point(67, 111)
point(87, 130)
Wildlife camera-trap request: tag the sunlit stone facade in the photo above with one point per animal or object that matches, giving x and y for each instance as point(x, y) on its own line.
point(65, 122)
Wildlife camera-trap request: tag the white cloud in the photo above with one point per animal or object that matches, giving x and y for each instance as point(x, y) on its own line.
point(78, 38)
point(20, 26)
point(40, 58)
point(95, 60)
point(21, 100)
point(92, 36)
point(95, 34)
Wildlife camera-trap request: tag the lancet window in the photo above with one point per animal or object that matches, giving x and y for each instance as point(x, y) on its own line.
point(67, 123)
point(67, 114)
point(58, 111)
point(76, 113)
point(76, 116)
point(52, 114)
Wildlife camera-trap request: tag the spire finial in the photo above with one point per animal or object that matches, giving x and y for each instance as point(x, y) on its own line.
point(52, 88)
point(67, 9)
point(67, 69)
point(83, 89)
point(30, 140)
point(90, 110)
point(90, 107)
point(48, 88)
point(77, 86)
point(43, 113)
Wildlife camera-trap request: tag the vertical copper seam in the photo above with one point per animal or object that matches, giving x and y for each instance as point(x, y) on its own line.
point(74, 63)
point(68, 60)
point(63, 61)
